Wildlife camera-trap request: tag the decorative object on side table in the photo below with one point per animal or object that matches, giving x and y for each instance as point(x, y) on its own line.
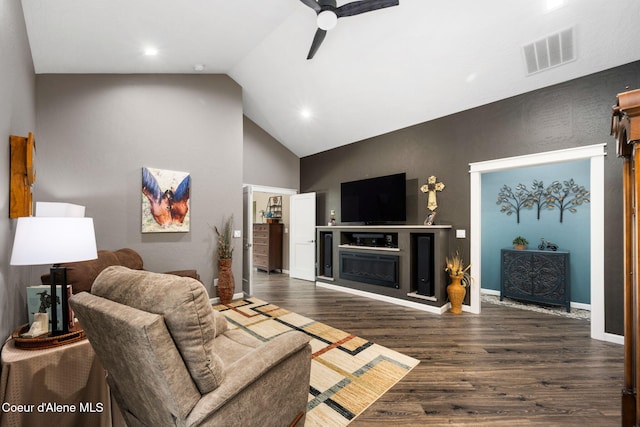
point(460, 280)
point(54, 240)
point(226, 281)
point(23, 342)
point(520, 243)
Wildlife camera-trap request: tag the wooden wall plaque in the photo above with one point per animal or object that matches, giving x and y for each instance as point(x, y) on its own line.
point(23, 175)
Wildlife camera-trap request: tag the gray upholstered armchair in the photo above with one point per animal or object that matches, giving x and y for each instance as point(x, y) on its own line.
point(172, 361)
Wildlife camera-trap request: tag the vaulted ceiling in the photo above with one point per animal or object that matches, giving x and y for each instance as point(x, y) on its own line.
point(374, 73)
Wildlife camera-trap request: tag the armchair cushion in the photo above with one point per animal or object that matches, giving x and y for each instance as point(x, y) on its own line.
point(154, 351)
point(260, 377)
point(187, 312)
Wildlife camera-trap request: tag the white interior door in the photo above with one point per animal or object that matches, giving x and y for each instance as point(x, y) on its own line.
point(247, 239)
point(302, 237)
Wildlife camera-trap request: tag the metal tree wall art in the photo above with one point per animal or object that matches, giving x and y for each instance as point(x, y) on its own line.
point(565, 196)
point(512, 202)
point(538, 196)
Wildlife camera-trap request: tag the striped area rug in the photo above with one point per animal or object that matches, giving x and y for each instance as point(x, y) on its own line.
point(348, 373)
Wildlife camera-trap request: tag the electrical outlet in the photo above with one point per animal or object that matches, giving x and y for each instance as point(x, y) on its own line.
point(237, 233)
point(461, 234)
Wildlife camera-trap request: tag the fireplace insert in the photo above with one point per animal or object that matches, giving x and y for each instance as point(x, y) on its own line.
point(381, 270)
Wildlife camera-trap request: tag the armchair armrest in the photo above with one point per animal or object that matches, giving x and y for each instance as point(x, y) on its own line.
point(221, 322)
point(271, 382)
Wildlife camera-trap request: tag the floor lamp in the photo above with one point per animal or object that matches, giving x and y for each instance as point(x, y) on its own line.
point(54, 240)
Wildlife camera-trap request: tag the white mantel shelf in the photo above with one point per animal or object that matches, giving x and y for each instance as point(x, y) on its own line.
point(381, 227)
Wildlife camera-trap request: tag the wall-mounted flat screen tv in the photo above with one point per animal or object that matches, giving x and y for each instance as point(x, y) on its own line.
point(377, 200)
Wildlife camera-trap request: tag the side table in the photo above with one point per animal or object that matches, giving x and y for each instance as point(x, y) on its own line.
point(61, 386)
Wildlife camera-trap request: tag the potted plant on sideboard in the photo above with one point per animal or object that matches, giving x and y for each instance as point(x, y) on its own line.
point(520, 243)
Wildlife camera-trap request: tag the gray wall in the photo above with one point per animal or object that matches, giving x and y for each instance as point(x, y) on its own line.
point(17, 117)
point(267, 162)
point(96, 132)
point(571, 114)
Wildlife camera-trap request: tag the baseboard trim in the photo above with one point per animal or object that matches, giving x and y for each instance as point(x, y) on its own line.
point(385, 298)
point(613, 338)
point(577, 305)
point(216, 300)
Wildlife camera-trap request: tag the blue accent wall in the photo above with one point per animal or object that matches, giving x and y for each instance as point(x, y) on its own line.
point(573, 235)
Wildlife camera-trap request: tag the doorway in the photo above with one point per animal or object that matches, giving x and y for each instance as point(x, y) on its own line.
point(595, 153)
point(255, 199)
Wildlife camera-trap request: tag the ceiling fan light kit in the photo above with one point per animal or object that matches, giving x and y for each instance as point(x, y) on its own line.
point(327, 20)
point(328, 15)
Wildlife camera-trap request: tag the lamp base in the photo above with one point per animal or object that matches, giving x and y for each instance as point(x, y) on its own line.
point(59, 277)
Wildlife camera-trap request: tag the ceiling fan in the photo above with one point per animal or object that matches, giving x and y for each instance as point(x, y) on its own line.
point(328, 15)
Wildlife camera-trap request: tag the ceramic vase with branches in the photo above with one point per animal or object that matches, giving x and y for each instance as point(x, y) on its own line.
point(460, 280)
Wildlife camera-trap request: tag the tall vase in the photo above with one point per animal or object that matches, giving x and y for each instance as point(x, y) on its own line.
point(456, 293)
point(226, 282)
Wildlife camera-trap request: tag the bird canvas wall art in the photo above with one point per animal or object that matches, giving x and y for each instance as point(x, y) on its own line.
point(165, 200)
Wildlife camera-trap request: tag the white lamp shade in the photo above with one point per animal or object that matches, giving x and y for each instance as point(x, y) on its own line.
point(53, 240)
point(327, 20)
point(59, 209)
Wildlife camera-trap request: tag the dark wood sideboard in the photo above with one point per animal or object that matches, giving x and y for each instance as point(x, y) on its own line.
point(536, 276)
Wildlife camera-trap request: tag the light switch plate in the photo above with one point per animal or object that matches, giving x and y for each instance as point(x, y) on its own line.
point(461, 234)
point(237, 233)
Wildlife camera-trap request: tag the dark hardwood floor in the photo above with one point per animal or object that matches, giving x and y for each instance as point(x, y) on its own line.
point(504, 367)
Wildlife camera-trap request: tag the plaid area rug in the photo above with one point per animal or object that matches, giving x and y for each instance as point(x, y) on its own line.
point(348, 373)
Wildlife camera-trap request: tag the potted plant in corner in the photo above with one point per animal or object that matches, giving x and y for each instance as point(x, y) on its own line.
point(226, 281)
point(460, 280)
point(520, 243)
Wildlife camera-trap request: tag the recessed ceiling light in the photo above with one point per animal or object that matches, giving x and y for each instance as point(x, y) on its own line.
point(151, 51)
point(198, 67)
point(305, 113)
point(554, 4)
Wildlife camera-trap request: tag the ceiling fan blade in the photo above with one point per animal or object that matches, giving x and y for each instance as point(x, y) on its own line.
point(317, 41)
point(313, 4)
point(358, 7)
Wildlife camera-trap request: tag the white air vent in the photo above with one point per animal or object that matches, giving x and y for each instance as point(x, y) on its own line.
point(552, 51)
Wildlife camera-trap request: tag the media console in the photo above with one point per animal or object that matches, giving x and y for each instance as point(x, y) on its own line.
point(402, 264)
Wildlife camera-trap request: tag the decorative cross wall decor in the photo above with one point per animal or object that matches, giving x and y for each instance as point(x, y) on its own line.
point(430, 188)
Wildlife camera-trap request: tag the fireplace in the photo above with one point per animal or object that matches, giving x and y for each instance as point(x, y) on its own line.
point(381, 270)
